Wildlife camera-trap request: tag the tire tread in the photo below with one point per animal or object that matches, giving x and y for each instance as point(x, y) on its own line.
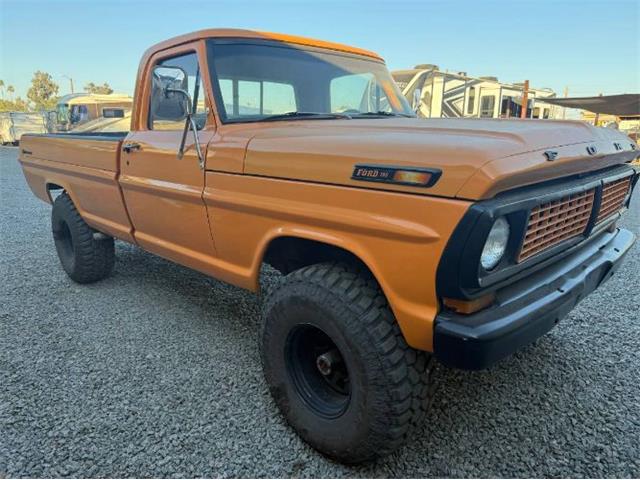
point(94, 258)
point(406, 373)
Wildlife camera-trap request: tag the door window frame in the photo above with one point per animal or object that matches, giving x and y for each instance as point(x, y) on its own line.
point(144, 90)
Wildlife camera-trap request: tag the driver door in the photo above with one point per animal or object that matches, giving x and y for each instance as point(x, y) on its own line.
point(163, 193)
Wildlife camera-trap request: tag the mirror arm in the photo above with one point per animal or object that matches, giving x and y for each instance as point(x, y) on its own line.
point(183, 140)
point(196, 140)
point(189, 123)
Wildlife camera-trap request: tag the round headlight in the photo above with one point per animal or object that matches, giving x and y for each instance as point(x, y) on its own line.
point(496, 244)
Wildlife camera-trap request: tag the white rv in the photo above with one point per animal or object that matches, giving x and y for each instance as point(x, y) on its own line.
point(15, 124)
point(434, 93)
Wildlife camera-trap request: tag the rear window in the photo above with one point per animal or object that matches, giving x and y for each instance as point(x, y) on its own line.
point(251, 98)
point(347, 92)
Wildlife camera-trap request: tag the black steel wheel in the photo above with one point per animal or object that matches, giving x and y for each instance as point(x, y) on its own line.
point(318, 371)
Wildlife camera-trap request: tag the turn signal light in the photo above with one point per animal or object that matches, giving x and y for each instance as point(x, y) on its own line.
point(407, 176)
point(469, 306)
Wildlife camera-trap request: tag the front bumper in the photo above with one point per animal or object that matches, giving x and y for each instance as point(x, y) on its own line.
point(530, 307)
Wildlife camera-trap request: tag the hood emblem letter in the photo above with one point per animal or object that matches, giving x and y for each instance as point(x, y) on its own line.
point(550, 155)
point(592, 150)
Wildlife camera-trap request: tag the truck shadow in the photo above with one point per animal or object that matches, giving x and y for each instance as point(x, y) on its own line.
point(214, 299)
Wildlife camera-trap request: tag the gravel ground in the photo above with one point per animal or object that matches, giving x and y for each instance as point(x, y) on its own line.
point(155, 372)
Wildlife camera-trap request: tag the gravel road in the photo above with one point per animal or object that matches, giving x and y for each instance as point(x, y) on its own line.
point(155, 372)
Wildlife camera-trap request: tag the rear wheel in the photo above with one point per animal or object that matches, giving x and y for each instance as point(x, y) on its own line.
point(338, 366)
point(85, 254)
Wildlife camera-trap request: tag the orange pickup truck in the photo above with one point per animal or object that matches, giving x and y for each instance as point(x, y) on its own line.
point(400, 240)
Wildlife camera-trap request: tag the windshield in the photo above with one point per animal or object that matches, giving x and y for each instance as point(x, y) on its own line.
point(254, 80)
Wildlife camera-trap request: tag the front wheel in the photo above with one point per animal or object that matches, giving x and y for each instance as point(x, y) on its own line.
point(86, 255)
point(338, 366)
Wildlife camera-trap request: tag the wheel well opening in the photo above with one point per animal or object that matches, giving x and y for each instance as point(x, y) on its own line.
point(287, 254)
point(53, 190)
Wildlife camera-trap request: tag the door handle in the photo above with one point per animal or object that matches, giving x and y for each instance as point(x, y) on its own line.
point(130, 147)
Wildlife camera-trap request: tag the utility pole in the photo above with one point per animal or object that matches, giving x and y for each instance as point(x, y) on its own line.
point(597, 117)
point(564, 109)
point(525, 99)
point(70, 82)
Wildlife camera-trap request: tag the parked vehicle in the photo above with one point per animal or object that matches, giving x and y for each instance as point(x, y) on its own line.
point(77, 108)
point(15, 124)
point(400, 240)
point(435, 94)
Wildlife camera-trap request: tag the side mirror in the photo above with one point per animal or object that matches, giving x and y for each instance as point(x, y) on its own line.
point(180, 99)
point(165, 104)
point(170, 100)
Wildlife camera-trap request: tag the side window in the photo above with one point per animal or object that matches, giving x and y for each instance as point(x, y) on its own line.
point(113, 112)
point(250, 98)
point(487, 106)
point(167, 112)
point(472, 100)
point(79, 113)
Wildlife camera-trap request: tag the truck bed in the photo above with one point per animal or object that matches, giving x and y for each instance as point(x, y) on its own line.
point(87, 166)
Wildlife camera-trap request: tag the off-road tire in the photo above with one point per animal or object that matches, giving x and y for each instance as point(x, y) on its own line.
point(86, 255)
point(391, 383)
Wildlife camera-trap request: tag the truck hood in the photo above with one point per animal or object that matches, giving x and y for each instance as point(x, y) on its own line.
point(478, 157)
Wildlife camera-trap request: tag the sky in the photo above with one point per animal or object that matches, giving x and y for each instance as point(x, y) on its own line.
point(587, 46)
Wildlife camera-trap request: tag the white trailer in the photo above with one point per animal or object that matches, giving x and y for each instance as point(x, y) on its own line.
point(434, 93)
point(15, 124)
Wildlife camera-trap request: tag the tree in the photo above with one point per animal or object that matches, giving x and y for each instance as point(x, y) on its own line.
point(93, 88)
point(10, 91)
point(2, 87)
point(43, 91)
point(17, 105)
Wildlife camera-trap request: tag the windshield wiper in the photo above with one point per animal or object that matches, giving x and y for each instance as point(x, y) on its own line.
point(382, 113)
point(309, 115)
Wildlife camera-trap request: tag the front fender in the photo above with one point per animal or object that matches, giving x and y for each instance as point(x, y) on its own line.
point(400, 237)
